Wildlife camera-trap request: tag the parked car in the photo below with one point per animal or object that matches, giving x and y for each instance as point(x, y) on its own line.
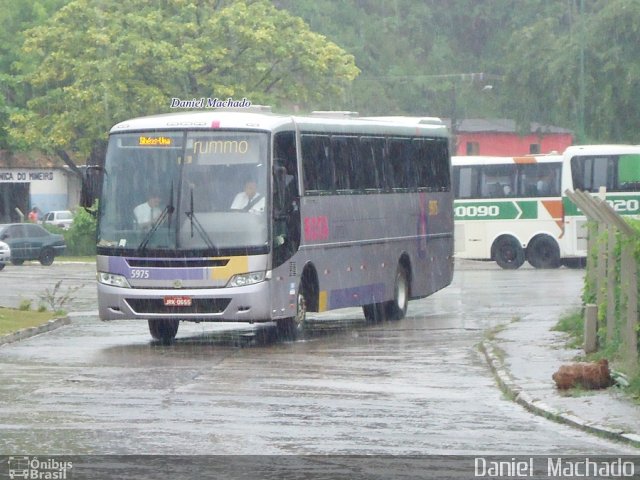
point(59, 218)
point(5, 254)
point(29, 241)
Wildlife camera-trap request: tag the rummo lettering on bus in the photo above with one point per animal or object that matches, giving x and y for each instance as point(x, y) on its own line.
point(509, 210)
point(24, 176)
point(227, 149)
point(221, 146)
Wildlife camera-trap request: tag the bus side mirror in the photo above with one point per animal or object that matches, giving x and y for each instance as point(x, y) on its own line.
point(91, 186)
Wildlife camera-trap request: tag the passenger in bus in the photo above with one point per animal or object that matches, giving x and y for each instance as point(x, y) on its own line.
point(545, 184)
point(148, 212)
point(249, 200)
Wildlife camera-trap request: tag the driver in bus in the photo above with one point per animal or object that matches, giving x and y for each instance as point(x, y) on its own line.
point(148, 212)
point(249, 200)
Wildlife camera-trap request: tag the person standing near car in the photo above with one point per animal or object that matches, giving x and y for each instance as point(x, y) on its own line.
point(33, 215)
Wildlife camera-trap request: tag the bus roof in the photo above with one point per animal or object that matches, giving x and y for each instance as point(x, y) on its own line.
point(219, 119)
point(493, 160)
point(600, 149)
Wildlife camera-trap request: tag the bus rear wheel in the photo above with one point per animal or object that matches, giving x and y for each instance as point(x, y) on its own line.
point(164, 329)
point(508, 253)
point(396, 309)
point(543, 252)
point(374, 312)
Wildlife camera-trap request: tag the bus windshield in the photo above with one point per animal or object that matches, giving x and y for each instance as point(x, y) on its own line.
point(196, 192)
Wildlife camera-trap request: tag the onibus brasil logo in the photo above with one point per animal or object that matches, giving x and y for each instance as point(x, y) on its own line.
point(38, 469)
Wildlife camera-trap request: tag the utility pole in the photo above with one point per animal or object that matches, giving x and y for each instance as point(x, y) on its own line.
point(581, 86)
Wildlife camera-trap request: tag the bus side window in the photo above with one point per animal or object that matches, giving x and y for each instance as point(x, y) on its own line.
point(368, 153)
point(317, 170)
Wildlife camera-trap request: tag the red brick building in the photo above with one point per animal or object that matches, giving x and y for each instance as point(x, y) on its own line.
point(500, 137)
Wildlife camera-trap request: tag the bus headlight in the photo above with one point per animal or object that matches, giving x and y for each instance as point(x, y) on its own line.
point(244, 279)
point(113, 280)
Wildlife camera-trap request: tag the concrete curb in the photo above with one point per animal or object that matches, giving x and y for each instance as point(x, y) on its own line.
point(510, 387)
point(32, 331)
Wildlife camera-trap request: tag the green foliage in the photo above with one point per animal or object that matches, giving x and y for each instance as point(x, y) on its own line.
point(55, 299)
point(614, 348)
point(96, 62)
point(12, 320)
point(25, 305)
point(544, 69)
point(69, 69)
point(15, 17)
point(81, 236)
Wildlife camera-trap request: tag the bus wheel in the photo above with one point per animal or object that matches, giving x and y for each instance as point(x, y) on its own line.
point(374, 312)
point(508, 253)
point(574, 262)
point(543, 252)
point(164, 329)
point(396, 309)
point(290, 328)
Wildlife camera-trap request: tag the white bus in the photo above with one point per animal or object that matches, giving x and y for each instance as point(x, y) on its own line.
point(509, 209)
point(616, 168)
point(512, 209)
point(353, 212)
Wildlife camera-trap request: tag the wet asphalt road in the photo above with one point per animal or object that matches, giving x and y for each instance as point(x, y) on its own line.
point(417, 386)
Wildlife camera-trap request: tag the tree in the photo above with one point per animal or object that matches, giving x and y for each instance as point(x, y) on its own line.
point(102, 61)
point(15, 17)
point(544, 74)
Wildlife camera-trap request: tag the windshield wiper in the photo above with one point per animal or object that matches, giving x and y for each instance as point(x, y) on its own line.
point(198, 226)
point(167, 212)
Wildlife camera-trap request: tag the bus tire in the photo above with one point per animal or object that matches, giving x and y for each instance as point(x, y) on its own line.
point(374, 312)
point(543, 252)
point(290, 328)
point(396, 309)
point(164, 330)
point(508, 253)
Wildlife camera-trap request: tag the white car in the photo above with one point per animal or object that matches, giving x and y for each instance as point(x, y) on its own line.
point(59, 218)
point(5, 254)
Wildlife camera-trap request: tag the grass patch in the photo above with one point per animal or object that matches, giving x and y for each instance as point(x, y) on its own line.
point(12, 320)
point(572, 324)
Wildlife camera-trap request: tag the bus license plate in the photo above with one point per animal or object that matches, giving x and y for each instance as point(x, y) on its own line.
point(177, 301)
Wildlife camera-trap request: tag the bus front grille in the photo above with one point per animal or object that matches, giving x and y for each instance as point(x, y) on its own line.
point(198, 305)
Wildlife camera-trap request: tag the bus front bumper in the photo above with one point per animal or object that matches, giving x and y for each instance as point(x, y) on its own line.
point(238, 304)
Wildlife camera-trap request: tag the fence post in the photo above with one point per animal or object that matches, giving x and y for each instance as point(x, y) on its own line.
point(590, 328)
point(629, 273)
point(611, 283)
point(601, 276)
